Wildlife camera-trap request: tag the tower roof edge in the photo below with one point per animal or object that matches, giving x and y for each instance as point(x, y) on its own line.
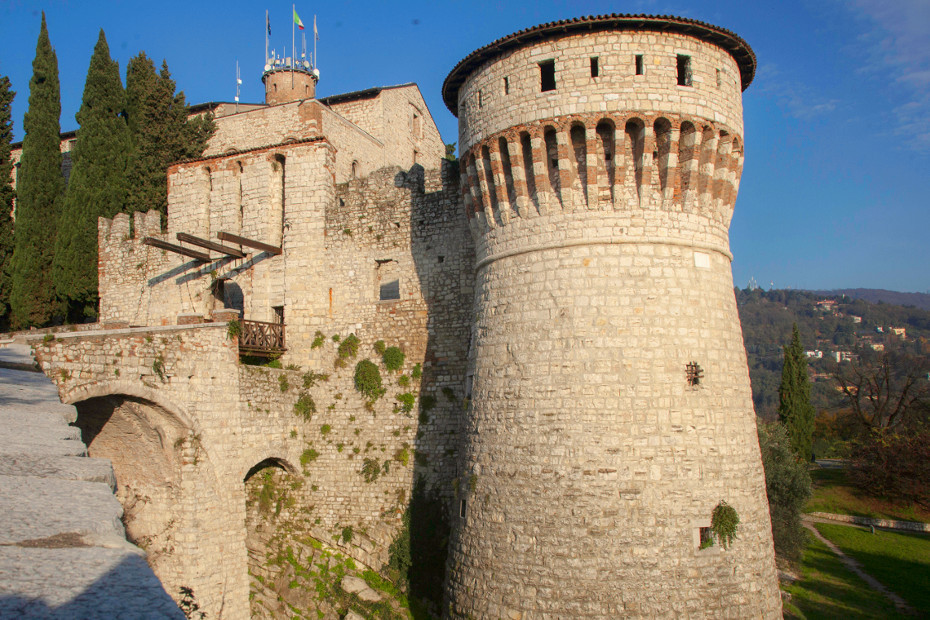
point(729, 41)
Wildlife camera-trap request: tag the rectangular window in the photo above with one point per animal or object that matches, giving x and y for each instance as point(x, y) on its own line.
point(506, 85)
point(390, 290)
point(547, 75)
point(639, 64)
point(595, 70)
point(719, 78)
point(480, 99)
point(684, 70)
point(278, 314)
point(462, 509)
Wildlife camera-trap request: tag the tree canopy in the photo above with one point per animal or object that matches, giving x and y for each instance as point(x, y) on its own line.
point(161, 132)
point(98, 185)
point(794, 395)
point(6, 196)
point(39, 189)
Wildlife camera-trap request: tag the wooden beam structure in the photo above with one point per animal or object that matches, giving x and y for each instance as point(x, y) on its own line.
point(258, 245)
point(210, 245)
point(164, 245)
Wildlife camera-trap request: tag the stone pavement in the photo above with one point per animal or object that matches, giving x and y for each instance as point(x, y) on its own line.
point(63, 550)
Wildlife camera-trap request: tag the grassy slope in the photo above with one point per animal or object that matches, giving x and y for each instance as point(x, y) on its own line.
point(900, 560)
point(835, 494)
point(830, 590)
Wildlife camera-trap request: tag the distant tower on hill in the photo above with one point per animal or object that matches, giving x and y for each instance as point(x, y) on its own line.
point(611, 410)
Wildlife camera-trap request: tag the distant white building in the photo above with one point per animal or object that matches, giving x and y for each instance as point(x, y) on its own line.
point(815, 354)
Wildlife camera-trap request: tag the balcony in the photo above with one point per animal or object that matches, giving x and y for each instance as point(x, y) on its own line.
point(262, 339)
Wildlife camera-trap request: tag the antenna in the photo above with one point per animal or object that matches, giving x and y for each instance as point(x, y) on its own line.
point(238, 84)
point(303, 42)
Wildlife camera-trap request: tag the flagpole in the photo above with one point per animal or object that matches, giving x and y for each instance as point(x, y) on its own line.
point(314, 42)
point(267, 23)
point(293, 47)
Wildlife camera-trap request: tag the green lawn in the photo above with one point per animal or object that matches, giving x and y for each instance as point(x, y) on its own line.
point(829, 590)
point(833, 493)
point(900, 560)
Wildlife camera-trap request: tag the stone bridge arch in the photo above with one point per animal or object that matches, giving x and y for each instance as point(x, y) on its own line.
point(177, 502)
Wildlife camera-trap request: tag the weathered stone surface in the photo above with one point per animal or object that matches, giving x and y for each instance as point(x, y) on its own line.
point(63, 551)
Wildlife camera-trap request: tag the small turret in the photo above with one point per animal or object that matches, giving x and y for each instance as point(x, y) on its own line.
point(289, 79)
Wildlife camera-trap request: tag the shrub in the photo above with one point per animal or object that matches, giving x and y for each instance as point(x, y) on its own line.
point(304, 407)
point(402, 456)
point(283, 383)
point(894, 464)
point(417, 372)
point(393, 358)
point(724, 522)
point(379, 347)
point(233, 329)
point(347, 534)
point(348, 347)
point(325, 429)
point(403, 381)
point(407, 401)
point(368, 380)
point(371, 469)
point(788, 485)
point(310, 379)
point(449, 393)
point(318, 339)
point(308, 456)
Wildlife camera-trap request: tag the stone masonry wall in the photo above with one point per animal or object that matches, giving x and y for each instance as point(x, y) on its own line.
point(617, 87)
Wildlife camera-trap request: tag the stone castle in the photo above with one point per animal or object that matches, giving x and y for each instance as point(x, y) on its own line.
point(574, 388)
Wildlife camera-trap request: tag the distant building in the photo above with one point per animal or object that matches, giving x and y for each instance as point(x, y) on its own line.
point(855, 319)
point(815, 354)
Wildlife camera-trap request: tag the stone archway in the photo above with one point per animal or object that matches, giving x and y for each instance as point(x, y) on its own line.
point(168, 488)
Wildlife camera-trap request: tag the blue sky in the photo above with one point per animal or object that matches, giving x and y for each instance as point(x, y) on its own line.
point(834, 192)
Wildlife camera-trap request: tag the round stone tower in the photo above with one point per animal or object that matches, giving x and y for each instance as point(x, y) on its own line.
point(611, 408)
point(283, 85)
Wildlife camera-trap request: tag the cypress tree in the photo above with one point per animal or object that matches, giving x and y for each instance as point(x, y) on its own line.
point(794, 394)
point(98, 185)
point(6, 197)
point(39, 189)
point(161, 132)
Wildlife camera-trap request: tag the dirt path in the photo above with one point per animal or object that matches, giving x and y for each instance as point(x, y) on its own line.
point(854, 566)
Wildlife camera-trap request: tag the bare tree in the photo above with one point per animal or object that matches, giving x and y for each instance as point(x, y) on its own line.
point(885, 390)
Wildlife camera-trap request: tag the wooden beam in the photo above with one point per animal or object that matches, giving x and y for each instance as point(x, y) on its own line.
point(258, 245)
point(216, 247)
point(164, 245)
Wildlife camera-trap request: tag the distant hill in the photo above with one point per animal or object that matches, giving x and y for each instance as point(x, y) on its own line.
point(875, 295)
point(853, 324)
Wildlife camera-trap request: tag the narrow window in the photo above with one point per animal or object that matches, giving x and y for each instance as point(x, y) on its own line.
point(388, 280)
point(547, 75)
point(416, 155)
point(278, 314)
point(639, 64)
point(354, 169)
point(684, 70)
point(506, 85)
point(595, 70)
point(480, 100)
point(719, 78)
point(706, 536)
point(462, 509)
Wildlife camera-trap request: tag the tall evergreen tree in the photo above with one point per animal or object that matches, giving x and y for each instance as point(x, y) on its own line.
point(794, 394)
point(39, 190)
point(161, 132)
point(6, 197)
point(98, 185)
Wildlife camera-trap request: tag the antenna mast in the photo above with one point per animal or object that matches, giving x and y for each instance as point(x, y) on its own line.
point(267, 32)
point(238, 84)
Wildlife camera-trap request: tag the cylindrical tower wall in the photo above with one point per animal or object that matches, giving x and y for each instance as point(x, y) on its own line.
point(284, 86)
point(611, 405)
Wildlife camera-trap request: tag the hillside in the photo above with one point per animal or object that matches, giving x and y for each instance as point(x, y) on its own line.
point(830, 325)
point(880, 295)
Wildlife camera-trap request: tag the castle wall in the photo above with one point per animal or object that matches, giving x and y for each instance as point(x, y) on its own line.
point(142, 285)
point(617, 87)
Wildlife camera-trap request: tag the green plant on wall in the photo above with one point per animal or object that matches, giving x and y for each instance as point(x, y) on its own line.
point(318, 340)
point(304, 407)
point(393, 358)
point(407, 401)
point(379, 347)
point(371, 469)
point(368, 380)
point(724, 522)
point(348, 347)
point(233, 329)
point(158, 367)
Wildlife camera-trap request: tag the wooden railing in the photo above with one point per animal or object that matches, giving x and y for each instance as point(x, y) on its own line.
point(259, 337)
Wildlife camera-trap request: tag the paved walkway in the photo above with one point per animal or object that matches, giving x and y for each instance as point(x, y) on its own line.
point(63, 549)
point(854, 566)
